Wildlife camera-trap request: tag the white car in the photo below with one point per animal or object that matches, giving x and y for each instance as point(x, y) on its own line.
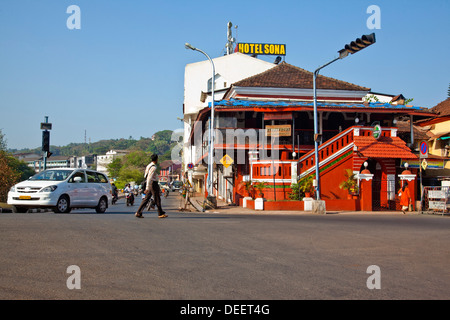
point(62, 189)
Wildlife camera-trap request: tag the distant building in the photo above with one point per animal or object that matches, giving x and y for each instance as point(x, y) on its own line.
point(84, 162)
point(170, 171)
point(104, 160)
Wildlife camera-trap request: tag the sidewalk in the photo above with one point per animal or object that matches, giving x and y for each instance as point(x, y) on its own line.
point(225, 208)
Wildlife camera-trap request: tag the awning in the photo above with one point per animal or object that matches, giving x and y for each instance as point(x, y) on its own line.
point(383, 147)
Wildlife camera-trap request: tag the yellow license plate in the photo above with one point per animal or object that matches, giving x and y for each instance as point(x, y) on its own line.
point(24, 197)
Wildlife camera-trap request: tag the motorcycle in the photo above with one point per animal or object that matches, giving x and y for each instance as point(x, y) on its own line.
point(130, 198)
point(165, 191)
point(114, 199)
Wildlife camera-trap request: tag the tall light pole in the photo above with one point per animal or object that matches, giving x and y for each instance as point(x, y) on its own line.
point(352, 47)
point(211, 124)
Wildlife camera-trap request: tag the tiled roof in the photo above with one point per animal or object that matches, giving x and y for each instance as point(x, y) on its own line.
point(384, 147)
point(442, 108)
point(288, 76)
point(419, 132)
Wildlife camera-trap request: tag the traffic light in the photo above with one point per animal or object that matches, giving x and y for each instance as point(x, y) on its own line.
point(46, 141)
point(357, 45)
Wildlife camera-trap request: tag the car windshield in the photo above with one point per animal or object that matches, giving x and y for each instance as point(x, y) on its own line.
point(52, 175)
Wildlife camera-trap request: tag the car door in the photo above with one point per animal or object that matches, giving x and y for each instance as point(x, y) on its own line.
point(93, 190)
point(78, 189)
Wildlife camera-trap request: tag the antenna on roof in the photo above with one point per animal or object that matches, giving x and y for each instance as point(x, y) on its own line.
point(230, 40)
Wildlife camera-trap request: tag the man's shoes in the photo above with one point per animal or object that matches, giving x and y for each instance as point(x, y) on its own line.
point(163, 215)
point(139, 215)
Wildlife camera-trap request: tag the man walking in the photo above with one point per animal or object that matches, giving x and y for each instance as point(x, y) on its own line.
point(151, 189)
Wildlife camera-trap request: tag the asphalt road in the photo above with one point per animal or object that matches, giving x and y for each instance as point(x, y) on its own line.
point(223, 256)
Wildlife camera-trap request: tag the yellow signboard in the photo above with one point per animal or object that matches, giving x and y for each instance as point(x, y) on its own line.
point(262, 48)
point(424, 164)
point(226, 161)
point(283, 130)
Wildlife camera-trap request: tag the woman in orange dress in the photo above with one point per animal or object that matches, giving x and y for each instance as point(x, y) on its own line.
point(405, 197)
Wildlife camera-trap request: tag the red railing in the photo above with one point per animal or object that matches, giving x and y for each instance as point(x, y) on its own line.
point(335, 144)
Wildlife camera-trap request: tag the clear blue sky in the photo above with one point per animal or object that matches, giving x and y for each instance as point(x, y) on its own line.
point(122, 73)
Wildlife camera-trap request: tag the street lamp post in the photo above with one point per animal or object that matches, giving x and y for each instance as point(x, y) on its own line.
point(211, 125)
point(352, 47)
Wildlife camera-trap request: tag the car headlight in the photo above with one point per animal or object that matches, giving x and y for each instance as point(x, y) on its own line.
point(13, 189)
point(48, 189)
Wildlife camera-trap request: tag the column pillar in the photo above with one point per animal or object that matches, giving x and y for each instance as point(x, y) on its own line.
point(365, 180)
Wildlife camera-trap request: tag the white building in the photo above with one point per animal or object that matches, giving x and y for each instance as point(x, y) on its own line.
point(104, 160)
point(197, 92)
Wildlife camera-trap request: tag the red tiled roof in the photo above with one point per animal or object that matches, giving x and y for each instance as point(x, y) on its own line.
point(288, 76)
point(442, 108)
point(384, 147)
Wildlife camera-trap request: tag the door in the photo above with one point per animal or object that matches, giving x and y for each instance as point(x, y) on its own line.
point(78, 189)
point(93, 188)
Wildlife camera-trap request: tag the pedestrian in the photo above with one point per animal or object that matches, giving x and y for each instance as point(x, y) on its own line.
point(405, 197)
point(151, 189)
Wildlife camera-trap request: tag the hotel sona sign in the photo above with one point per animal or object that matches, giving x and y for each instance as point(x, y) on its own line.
point(262, 48)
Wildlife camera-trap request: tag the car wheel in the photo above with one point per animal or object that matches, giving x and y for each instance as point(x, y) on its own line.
point(102, 206)
point(63, 205)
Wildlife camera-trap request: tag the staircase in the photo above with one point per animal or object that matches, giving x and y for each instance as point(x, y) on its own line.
point(330, 153)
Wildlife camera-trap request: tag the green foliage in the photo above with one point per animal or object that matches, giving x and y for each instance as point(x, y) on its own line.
point(160, 144)
point(11, 170)
point(299, 189)
point(260, 185)
point(248, 186)
point(350, 183)
point(129, 168)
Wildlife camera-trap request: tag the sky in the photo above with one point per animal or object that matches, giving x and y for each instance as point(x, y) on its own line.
point(121, 73)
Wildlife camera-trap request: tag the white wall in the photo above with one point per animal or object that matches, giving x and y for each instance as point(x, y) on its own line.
point(231, 68)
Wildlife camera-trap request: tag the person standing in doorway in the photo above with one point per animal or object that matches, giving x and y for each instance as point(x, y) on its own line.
point(405, 197)
point(151, 189)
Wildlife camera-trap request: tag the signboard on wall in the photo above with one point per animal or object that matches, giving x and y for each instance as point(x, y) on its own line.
point(283, 130)
point(261, 49)
point(416, 163)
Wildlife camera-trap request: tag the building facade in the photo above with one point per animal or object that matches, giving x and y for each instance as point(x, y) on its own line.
point(264, 134)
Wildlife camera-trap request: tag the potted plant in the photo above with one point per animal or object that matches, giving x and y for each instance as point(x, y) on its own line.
point(248, 186)
point(306, 186)
point(260, 186)
point(350, 183)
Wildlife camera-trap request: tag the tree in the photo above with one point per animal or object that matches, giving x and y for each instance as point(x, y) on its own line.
point(11, 170)
point(2, 141)
point(114, 167)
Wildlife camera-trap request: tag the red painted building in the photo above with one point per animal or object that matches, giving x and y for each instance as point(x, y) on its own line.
point(265, 124)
